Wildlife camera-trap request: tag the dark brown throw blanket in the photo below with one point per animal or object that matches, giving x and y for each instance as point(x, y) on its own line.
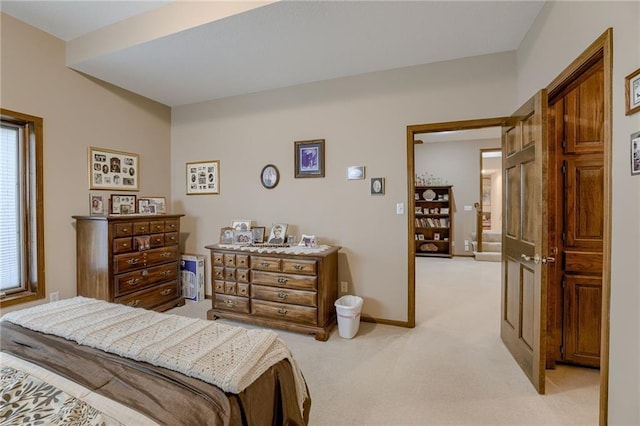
point(163, 395)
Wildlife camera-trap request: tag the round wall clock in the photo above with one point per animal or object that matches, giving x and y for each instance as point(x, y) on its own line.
point(270, 176)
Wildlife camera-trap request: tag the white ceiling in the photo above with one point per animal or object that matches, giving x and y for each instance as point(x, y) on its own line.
point(267, 46)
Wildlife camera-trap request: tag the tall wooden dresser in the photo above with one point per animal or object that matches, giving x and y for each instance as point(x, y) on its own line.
point(129, 259)
point(291, 289)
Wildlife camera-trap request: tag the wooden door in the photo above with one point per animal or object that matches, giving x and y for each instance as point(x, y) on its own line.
point(575, 287)
point(523, 310)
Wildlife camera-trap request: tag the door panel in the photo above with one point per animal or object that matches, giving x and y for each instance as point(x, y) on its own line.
point(584, 200)
point(584, 119)
point(523, 321)
point(583, 308)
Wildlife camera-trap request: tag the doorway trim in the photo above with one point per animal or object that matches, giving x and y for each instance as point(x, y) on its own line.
point(412, 131)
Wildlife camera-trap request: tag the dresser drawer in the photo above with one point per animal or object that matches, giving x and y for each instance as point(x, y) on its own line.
point(299, 314)
point(231, 303)
point(229, 259)
point(295, 266)
point(126, 283)
point(122, 245)
point(242, 289)
point(229, 274)
point(295, 297)
point(171, 225)
point(156, 226)
point(218, 286)
point(157, 240)
point(136, 260)
point(229, 287)
point(124, 229)
point(265, 263)
point(217, 258)
point(242, 275)
point(140, 228)
point(171, 238)
point(284, 280)
point(218, 273)
point(151, 297)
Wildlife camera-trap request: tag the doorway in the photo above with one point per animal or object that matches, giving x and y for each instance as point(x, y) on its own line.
point(602, 47)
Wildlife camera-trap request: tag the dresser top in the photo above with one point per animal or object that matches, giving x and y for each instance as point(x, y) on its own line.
point(129, 217)
point(321, 250)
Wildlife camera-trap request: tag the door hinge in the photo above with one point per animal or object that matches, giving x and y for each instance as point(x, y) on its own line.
point(562, 350)
point(564, 236)
point(563, 283)
point(564, 170)
point(564, 144)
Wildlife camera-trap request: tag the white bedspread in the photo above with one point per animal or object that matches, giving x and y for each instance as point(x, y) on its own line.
point(226, 356)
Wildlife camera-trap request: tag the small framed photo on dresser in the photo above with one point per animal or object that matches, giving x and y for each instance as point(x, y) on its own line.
point(96, 205)
point(123, 204)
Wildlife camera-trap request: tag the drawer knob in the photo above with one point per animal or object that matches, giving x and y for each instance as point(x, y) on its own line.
point(133, 261)
point(265, 264)
point(230, 303)
point(125, 245)
point(166, 291)
point(282, 311)
point(125, 229)
point(298, 267)
point(282, 280)
point(166, 273)
point(133, 281)
point(142, 228)
point(166, 254)
point(282, 295)
point(134, 303)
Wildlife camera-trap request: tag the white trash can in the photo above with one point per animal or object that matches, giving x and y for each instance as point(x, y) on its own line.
point(348, 310)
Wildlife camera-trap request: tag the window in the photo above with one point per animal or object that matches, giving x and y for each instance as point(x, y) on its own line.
point(21, 209)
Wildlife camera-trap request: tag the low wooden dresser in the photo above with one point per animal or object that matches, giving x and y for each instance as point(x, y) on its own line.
point(293, 289)
point(129, 259)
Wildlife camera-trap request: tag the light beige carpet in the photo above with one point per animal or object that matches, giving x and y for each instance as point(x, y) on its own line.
point(451, 369)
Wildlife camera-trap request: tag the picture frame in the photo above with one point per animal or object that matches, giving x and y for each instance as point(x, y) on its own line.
point(277, 234)
point(269, 176)
point(123, 204)
point(309, 158)
point(113, 170)
point(308, 241)
point(635, 153)
point(436, 236)
point(242, 238)
point(632, 92)
point(203, 177)
point(418, 210)
point(226, 235)
point(377, 186)
point(152, 205)
point(96, 205)
point(258, 234)
point(241, 225)
point(355, 172)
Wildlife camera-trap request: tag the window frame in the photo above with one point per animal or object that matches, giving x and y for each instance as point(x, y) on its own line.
point(33, 237)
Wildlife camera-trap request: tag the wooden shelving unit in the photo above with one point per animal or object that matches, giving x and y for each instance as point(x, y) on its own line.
point(433, 220)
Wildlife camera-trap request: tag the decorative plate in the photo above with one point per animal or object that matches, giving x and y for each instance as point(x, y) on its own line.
point(429, 195)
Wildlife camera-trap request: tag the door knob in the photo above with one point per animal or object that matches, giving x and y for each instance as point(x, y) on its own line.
point(549, 259)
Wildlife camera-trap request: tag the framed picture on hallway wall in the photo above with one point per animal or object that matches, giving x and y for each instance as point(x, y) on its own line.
point(632, 92)
point(635, 153)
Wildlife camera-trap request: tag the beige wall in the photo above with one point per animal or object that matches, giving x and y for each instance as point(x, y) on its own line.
point(363, 120)
point(458, 163)
point(562, 31)
point(78, 112)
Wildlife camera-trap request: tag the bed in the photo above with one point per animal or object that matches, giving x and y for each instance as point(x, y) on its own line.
point(87, 361)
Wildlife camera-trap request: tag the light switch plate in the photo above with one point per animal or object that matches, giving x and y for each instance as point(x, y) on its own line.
point(400, 208)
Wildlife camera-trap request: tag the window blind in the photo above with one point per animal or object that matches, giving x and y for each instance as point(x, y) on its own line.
point(10, 238)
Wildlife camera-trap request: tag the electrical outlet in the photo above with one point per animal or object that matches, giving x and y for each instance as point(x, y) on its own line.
point(344, 286)
point(54, 297)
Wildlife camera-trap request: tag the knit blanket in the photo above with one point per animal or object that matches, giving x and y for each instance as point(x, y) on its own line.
point(226, 356)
